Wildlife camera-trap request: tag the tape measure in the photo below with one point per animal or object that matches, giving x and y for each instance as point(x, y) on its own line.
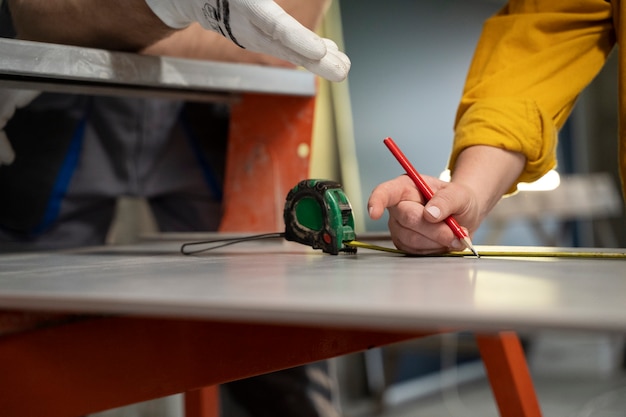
point(318, 214)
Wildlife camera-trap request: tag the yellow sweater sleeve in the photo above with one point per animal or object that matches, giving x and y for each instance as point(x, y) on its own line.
point(530, 64)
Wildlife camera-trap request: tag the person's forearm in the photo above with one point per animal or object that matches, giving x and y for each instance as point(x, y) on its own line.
point(127, 25)
point(198, 43)
point(489, 172)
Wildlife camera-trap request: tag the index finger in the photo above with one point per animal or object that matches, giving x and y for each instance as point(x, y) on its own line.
point(390, 194)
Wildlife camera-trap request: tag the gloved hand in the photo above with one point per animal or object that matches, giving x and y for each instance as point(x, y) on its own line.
point(10, 100)
point(260, 26)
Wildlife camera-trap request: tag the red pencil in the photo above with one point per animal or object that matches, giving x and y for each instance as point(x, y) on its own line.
point(427, 192)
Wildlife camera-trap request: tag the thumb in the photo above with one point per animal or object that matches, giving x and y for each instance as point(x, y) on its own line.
point(447, 201)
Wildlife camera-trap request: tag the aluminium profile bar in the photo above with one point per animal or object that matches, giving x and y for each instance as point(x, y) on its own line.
point(73, 69)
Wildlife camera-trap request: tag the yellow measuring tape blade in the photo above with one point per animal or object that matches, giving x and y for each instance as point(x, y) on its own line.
point(492, 253)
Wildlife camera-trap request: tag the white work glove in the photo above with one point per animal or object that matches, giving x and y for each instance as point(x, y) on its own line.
point(260, 26)
point(10, 100)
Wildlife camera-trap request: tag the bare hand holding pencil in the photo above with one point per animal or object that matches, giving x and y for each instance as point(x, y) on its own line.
point(427, 194)
point(417, 222)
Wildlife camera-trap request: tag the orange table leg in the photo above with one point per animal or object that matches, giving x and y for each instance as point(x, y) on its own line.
point(508, 374)
point(203, 402)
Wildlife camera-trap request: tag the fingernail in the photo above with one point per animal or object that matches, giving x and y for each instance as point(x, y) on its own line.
point(434, 211)
point(369, 210)
point(457, 244)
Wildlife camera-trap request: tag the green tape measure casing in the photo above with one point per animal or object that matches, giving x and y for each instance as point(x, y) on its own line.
point(318, 213)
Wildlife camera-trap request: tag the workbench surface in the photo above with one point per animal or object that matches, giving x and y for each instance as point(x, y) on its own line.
point(284, 282)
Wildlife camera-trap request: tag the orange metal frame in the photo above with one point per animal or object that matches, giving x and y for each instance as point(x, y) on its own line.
point(98, 363)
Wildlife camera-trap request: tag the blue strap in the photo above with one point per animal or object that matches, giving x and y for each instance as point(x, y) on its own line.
point(62, 182)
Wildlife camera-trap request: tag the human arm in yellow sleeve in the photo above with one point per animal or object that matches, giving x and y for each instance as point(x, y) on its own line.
point(531, 62)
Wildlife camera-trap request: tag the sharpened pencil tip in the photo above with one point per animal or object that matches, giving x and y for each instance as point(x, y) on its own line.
point(468, 243)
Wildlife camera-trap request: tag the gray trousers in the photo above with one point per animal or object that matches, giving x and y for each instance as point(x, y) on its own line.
point(76, 155)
